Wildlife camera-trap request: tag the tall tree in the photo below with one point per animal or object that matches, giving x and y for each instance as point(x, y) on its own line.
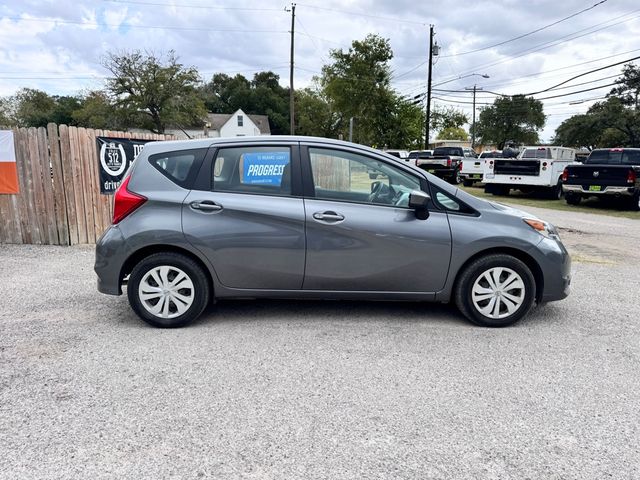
point(453, 133)
point(447, 117)
point(357, 84)
point(262, 95)
point(154, 91)
point(610, 123)
point(517, 118)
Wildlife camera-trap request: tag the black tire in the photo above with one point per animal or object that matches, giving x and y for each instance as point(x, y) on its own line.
point(555, 193)
point(455, 179)
point(473, 271)
point(635, 202)
point(503, 191)
point(200, 291)
point(467, 183)
point(573, 198)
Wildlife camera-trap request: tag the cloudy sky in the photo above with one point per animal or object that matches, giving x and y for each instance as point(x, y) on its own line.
point(57, 45)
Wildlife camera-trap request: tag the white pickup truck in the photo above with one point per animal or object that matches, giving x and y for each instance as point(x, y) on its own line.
point(472, 169)
point(537, 168)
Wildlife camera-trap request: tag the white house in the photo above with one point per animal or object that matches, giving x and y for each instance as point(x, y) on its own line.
point(237, 124)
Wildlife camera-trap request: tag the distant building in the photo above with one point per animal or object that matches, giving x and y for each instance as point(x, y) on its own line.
point(237, 124)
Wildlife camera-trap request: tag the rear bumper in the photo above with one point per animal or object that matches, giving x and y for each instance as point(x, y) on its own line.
point(110, 257)
point(607, 190)
point(440, 171)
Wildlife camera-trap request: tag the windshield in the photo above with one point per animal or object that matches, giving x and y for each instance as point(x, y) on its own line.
point(421, 154)
point(536, 153)
point(455, 151)
point(615, 157)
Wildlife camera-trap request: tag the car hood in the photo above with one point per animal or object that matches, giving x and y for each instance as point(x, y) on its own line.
point(484, 205)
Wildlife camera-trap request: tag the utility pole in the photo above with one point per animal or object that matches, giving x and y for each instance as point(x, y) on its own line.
point(473, 121)
point(351, 129)
point(428, 116)
point(291, 106)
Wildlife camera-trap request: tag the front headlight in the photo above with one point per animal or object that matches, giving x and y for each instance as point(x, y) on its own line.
point(543, 228)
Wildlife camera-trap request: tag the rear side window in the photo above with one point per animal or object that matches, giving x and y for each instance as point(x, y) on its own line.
point(615, 156)
point(537, 153)
point(178, 166)
point(257, 170)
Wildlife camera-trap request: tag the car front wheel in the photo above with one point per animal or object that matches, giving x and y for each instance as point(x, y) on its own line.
point(168, 290)
point(495, 290)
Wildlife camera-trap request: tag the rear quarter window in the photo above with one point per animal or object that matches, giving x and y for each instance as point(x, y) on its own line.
point(178, 166)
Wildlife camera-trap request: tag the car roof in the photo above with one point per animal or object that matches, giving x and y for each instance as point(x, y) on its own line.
point(172, 145)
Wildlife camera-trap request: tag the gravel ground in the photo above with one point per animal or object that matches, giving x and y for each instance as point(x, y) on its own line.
point(336, 390)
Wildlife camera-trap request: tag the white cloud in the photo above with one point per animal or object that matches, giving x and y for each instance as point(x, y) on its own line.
point(66, 56)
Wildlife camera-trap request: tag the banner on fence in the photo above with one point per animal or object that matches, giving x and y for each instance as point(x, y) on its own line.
point(114, 157)
point(8, 168)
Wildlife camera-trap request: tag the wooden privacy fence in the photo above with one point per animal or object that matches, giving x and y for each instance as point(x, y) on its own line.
point(59, 201)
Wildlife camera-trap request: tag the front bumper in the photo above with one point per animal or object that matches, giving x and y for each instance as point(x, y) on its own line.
point(555, 263)
point(606, 190)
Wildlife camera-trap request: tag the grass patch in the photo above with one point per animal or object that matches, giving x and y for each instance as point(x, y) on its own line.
point(591, 205)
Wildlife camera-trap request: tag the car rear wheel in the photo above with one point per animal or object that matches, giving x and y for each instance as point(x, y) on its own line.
point(168, 290)
point(495, 290)
point(555, 193)
point(573, 198)
point(467, 183)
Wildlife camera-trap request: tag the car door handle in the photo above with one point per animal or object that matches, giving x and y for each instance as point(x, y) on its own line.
point(206, 206)
point(328, 216)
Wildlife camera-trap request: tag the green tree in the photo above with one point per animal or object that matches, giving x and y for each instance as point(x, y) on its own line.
point(262, 95)
point(442, 118)
point(96, 110)
point(357, 84)
point(610, 123)
point(30, 108)
point(517, 118)
point(314, 115)
point(453, 133)
point(154, 92)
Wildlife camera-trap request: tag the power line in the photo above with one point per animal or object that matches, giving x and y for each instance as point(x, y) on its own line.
point(128, 25)
point(528, 33)
point(366, 15)
point(585, 73)
point(207, 7)
point(557, 41)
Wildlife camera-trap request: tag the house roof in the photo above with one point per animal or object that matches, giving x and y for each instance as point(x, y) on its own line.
point(217, 120)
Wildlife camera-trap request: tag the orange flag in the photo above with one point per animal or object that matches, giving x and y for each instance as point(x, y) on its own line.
point(8, 168)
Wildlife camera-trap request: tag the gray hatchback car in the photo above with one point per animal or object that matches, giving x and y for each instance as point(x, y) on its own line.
point(302, 217)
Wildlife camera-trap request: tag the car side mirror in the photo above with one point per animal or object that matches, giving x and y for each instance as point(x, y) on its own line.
point(419, 201)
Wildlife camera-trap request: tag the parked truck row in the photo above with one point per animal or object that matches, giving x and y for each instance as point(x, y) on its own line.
point(550, 170)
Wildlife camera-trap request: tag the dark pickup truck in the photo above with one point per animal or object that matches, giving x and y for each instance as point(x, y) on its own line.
point(445, 162)
point(607, 172)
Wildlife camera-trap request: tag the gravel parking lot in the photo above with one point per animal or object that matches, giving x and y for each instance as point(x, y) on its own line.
point(336, 390)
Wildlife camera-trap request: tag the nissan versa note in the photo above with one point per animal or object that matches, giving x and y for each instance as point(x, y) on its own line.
point(302, 217)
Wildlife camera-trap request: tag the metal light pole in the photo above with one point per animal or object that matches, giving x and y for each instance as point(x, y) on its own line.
point(291, 99)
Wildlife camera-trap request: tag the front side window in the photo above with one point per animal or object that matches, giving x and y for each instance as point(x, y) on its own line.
point(258, 170)
point(344, 176)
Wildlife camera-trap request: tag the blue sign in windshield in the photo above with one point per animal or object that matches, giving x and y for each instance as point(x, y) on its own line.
point(264, 168)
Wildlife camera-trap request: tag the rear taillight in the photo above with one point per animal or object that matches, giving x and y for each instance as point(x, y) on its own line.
point(490, 164)
point(632, 177)
point(448, 162)
point(461, 164)
point(125, 202)
point(565, 175)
